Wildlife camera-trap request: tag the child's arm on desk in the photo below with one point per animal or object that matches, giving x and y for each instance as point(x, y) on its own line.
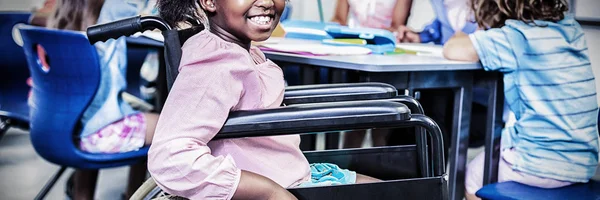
point(460, 47)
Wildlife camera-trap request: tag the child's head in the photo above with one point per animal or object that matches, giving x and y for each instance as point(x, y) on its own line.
point(247, 20)
point(75, 15)
point(493, 13)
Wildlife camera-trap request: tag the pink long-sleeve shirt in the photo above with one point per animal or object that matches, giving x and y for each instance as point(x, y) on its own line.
point(217, 77)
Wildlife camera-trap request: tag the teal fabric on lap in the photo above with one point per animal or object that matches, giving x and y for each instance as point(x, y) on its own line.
point(326, 174)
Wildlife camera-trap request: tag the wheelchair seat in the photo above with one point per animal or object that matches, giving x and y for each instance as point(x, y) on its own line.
point(513, 190)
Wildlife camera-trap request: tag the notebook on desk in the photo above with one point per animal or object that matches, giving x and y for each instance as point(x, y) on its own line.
point(423, 49)
point(315, 49)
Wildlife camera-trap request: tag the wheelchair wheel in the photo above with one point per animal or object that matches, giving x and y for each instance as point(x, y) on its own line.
point(150, 191)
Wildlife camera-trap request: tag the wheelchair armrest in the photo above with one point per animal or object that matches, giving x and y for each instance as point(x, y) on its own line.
point(304, 118)
point(337, 92)
point(333, 116)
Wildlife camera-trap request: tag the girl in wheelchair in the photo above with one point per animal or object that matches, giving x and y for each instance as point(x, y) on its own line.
point(221, 72)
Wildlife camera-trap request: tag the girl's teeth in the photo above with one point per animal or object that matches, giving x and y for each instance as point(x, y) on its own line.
point(261, 19)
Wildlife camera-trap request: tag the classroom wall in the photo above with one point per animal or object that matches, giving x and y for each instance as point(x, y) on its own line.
point(20, 5)
point(587, 9)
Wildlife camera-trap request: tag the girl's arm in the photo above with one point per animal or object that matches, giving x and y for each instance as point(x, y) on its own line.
point(460, 47)
point(400, 15)
point(341, 12)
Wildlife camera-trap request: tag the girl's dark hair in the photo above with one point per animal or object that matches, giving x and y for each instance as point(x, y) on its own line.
point(176, 12)
point(493, 13)
point(75, 15)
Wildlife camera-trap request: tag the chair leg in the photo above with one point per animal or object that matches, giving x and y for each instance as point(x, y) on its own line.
point(84, 184)
point(4, 125)
point(137, 176)
point(50, 183)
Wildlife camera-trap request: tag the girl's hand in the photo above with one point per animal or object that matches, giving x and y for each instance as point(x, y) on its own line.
point(255, 186)
point(405, 35)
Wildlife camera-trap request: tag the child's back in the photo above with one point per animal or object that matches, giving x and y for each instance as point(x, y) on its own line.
point(549, 85)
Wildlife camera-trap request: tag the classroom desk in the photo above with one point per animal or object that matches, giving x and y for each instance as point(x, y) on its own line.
point(414, 72)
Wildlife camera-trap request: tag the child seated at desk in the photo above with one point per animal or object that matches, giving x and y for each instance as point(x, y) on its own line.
point(549, 85)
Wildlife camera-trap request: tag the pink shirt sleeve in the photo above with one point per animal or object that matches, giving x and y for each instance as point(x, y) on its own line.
point(208, 87)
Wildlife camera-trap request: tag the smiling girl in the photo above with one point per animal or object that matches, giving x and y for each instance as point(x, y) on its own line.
point(221, 72)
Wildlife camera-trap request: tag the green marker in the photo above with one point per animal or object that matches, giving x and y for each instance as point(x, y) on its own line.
point(353, 41)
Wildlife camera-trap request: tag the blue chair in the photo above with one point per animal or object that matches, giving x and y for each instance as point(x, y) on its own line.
point(514, 190)
point(60, 96)
point(14, 111)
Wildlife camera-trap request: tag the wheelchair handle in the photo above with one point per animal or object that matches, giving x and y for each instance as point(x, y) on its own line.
point(125, 27)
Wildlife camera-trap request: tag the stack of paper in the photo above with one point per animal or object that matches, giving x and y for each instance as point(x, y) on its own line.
point(316, 49)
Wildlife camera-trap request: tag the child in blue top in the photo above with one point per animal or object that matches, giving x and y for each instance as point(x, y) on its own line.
point(549, 85)
point(451, 16)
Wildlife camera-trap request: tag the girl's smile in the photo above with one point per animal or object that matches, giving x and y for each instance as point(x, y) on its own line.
point(243, 21)
point(262, 22)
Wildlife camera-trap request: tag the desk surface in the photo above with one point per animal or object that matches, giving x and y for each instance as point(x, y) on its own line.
point(369, 63)
point(375, 63)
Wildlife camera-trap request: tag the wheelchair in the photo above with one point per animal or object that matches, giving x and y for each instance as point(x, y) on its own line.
point(407, 171)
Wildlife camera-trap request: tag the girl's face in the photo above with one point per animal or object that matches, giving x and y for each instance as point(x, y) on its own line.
point(247, 20)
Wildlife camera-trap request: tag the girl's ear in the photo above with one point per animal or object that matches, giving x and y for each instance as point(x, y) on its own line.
point(208, 5)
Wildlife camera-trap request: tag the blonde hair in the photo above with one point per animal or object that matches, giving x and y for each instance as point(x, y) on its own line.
point(493, 13)
point(75, 15)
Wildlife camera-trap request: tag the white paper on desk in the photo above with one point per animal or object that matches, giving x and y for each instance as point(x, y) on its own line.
point(152, 35)
point(271, 40)
point(423, 50)
point(319, 49)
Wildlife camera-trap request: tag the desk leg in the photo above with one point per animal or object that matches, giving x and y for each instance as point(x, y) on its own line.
point(495, 87)
point(460, 141)
point(308, 75)
point(401, 81)
point(332, 140)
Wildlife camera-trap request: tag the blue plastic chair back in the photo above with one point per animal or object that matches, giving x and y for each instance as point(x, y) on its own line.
point(514, 190)
point(61, 95)
point(13, 70)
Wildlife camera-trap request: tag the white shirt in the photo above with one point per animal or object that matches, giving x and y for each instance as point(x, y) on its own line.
point(458, 13)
